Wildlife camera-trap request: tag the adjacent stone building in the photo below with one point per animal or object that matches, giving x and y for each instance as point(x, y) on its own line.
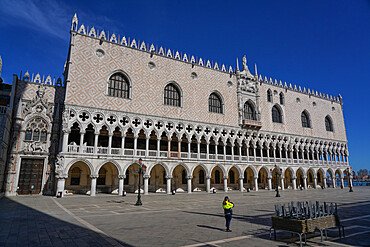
point(196, 124)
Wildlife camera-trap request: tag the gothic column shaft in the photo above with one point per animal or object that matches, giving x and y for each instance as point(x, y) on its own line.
point(65, 141)
point(81, 141)
point(241, 184)
point(93, 185)
point(208, 179)
point(294, 181)
point(256, 183)
point(168, 185)
point(282, 182)
point(225, 184)
point(146, 185)
point(96, 139)
point(110, 143)
point(189, 184)
point(120, 185)
point(269, 183)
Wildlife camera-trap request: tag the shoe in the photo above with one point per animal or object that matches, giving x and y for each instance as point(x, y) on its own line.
point(228, 230)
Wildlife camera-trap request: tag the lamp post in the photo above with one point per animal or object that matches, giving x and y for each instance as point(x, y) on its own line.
point(276, 180)
point(349, 173)
point(140, 170)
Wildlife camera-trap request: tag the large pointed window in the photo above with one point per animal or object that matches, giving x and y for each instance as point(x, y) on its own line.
point(249, 112)
point(215, 103)
point(276, 115)
point(172, 95)
point(269, 95)
point(36, 130)
point(306, 123)
point(328, 124)
point(119, 86)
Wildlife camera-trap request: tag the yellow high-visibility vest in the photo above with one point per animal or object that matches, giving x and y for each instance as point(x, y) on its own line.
point(228, 205)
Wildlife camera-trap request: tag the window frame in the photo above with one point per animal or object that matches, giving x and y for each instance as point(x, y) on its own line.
point(331, 125)
point(307, 121)
point(178, 90)
point(221, 100)
point(253, 113)
point(280, 111)
point(269, 96)
point(128, 81)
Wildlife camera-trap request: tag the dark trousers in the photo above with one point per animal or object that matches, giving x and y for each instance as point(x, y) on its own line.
point(228, 219)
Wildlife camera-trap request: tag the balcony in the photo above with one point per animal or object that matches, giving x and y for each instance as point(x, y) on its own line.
point(101, 151)
point(252, 124)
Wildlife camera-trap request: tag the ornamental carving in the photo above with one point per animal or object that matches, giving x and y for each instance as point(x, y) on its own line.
point(39, 104)
point(59, 165)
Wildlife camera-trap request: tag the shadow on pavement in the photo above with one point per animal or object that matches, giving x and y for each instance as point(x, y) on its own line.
point(211, 227)
point(24, 226)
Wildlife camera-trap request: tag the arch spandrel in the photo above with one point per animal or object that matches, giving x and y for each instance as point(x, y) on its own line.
point(71, 163)
point(115, 163)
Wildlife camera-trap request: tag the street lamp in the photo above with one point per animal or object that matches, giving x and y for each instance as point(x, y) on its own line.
point(349, 173)
point(140, 170)
point(276, 180)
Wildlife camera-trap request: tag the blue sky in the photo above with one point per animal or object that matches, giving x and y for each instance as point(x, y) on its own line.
point(320, 44)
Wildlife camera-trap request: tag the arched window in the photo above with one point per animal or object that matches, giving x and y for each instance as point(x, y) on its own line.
point(281, 99)
point(215, 103)
point(75, 176)
point(172, 95)
point(183, 177)
point(328, 124)
point(276, 115)
point(269, 96)
point(306, 123)
point(36, 130)
point(249, 112)
point(102, 176)
point(201, 177)
point(217, 177)
point(232, 177)
point(119, 86)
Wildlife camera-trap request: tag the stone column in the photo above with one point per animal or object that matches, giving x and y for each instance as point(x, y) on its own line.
point(224, 151)
point(189, 183)
point(216, 149)
point(179, 149)
point(294, 181)
point(120, 184)
point(135, 145)
point(146, 184)
point(241, 180)
point(96, 139)
point(225, 184)
point(93, 184)
point(282, 182)
point(342, 182)
point(315, 182)
point(324, 182)
point(61, 184)
point(333, 180)
point(240, 152)
point(232, 151)
point(81, 141)
point(158, 147)
point(169, 147)
point(198, 150)
point(168, 184)
point(110, 143)
point(208, 179)
point(269, 183)
point(123, 144)
point(147, 146)
point(189, 153)
point(254, 153)
point(207, 156)
point(65, 141)
point(256, 183)
point(305, 182)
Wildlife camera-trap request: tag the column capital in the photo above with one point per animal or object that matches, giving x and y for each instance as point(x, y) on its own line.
point(255, 177)
point(168, 177)
point(189, 177)
point(94, 176)
point(121, 176)
point(146, 176)
point(241, 177)
point(224, 177)
point(208, 177)
point(61, 176)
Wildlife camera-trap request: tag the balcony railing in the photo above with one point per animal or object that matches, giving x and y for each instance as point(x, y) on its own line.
point(185, 155)
point(252, 123)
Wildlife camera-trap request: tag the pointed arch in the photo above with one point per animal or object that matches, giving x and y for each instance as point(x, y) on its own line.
point(119, 85)
point(266, 169)
point(224, 172)
point(115, 163)
point(305, 119)
point(249, 110)
point(188, 171)
point(277, 114)
point(150, 167)
point(329, 123)
point(204, 168)
point(72, 162)
point(239, 170)
point(255, 172)
point(269, 96)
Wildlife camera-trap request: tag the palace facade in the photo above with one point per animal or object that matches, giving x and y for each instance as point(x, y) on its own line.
point(196, 125)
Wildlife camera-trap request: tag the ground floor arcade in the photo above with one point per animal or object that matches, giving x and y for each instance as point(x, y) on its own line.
point(111, 176)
